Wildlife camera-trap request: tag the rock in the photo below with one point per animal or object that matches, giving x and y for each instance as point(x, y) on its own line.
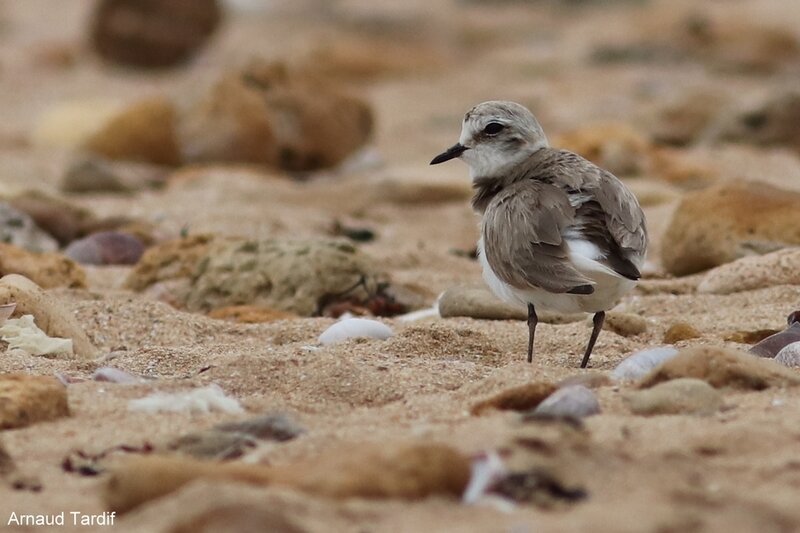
point(407, 471)
point(686, 119)
point(106, 248)
point(680, 331)
point(270, 115)
point(90, 174)
point(355, 328)
point(678, 396)
point(756, 272)
point(720, 224)
point(476, 301)
point(625, 324)
point(770, 346)
point(26, 400)
point(639, 364)
point(48, 270)
point(250, 314)
point(19, 229)
point(143, 131)
point(63, 220)
point(152, 33)
point(49, 314)
point(170, 260)
point(617, 147)
point(522, 398)
point(201, 400)
point(69, 124)
point(789, 355)
point(772, 122)
point(239, 518)
point(296, 276)
point(573, 401)
point(723, 367)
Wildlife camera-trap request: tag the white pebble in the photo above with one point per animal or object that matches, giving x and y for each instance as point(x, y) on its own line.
point(789, 355)
point(352, 328)
point(575, 401)
point(639, 364)
point(114, 375)
point(203, 400)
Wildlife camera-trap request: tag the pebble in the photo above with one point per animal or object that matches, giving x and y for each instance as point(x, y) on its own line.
point(639, 364)
point(26, 400)
point(574, 401)
point(723, 367)
point(19, 229)
point(625, 324)
point(106, 248)
point(115, 375)
point(680, 331)
point(772, 345)
point(354, 328)
point(48, 270)
point(677, 396)
point(789, 355)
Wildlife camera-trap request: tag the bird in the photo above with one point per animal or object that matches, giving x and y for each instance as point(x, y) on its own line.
point(558, 232)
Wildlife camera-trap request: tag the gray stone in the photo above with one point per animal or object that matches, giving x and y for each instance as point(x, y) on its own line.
point(19, 229)
point(639, 364)
point(574, 401)
point(789, 355)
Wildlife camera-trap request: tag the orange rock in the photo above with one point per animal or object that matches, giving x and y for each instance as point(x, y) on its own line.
point(48, 269)
point(144, 131)
point(723, 367)
point(522, 398)
point(407, 471)
point(250, 314)
point(723, 223)
point(26, 400)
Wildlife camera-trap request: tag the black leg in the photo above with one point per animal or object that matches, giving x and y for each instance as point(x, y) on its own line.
point(598, 325)
point(532, 321)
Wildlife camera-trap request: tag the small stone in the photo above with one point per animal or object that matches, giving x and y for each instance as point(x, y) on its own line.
point(355, 328)
point(48, 270)
point(19, 229)
point(680, 331)
point(115, 375)
point(61, 219)
point(48, 312)
point(678, 396)
point(521, 398)
point(772, 345)
point(755, 272)
point(789, 355)
point(574, 401)
point(106, 248)
point(625, 324)
point(250, 314)
point(143, 131)
point(639, 364)
point(26, 400)
point(723, 367)
point(720, 224)
point(90, 174)
point(152, 33)
point(477, 302)
point(171, 260)
point(300, 276)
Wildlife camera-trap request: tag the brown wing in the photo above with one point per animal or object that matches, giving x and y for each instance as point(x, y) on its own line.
point(523, 229)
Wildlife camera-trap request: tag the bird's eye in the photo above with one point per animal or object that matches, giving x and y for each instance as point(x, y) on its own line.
point(493, 128)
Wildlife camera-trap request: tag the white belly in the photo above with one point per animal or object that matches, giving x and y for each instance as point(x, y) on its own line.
point(608, 289)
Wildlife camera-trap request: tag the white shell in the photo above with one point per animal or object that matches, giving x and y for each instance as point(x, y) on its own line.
point(22, 333)
point(6, 310)
point(352, 328)
point(202, 400)
point(575, 401)
point(789, 355)
point(639, 364)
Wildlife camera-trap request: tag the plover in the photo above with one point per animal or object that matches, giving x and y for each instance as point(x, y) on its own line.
point(558, 232)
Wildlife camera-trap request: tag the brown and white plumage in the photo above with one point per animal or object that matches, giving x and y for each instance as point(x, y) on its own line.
point(558, 232)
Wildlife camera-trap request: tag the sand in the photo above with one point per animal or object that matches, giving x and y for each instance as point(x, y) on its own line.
point(736, 470)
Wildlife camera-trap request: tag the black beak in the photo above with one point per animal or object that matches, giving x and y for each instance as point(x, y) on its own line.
point(451, 153)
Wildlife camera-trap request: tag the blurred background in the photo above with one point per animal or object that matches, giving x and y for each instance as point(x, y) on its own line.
point(161, 118)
